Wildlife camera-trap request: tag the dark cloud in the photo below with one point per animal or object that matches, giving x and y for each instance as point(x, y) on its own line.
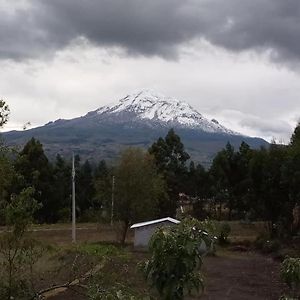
point(153, 27)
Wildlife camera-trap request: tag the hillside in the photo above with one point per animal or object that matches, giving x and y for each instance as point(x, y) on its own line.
point(136, 120)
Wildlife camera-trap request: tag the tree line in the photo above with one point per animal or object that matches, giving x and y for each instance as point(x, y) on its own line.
point(261, 184)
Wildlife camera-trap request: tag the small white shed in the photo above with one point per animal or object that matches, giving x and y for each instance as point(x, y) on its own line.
point(143, 231)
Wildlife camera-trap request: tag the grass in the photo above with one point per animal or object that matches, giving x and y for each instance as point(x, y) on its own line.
point(245, 232)
point(101, 250)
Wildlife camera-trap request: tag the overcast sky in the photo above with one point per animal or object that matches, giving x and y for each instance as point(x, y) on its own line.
point(236, 61)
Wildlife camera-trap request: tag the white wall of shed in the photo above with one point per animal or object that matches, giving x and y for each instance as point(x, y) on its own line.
point(142, 235)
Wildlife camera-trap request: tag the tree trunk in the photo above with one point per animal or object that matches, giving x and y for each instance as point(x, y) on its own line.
point(124, 233)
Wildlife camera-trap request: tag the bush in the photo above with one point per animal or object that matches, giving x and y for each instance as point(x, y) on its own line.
point(97, 292)
point(101, 250)
point(290, 273)
point(176, 258)
point(267, 245)
point(224, 232)
point(18, 252)
point(64, 215)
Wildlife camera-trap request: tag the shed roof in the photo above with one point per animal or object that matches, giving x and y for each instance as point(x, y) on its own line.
point(168, 219)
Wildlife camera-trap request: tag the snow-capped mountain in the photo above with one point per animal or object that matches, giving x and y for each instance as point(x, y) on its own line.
point(167, 111)
point(137, 120)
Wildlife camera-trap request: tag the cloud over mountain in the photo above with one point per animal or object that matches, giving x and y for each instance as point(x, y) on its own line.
point(42, 27)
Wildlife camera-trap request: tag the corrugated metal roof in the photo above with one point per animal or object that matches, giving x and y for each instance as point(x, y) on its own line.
point(154, 222)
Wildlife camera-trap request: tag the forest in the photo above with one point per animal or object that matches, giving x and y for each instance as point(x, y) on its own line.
point(261, 185)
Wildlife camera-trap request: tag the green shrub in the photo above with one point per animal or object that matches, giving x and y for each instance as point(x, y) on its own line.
point(290, 273)
point(101, 250)
point(18, 252)
point(64, 214)
point(97, 292)
point(267, 245)
point(176, 258)
point(224, 231)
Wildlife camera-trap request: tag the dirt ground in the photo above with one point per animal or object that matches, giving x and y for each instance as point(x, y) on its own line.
point(242, 276)
point(229, 275)
point(232, 276)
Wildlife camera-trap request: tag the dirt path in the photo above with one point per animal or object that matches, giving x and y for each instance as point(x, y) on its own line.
point(237, 276)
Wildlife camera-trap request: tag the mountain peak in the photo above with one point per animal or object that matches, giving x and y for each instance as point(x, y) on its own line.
point(147, 104)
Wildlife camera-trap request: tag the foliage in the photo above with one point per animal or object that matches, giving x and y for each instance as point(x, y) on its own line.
point(103, 190)
point(230, 179)
point(290, 273)
point(85, 187)
point(97, 292)
point(176, 259)
point(244, 184)
point(4, 113)
point(7, 174)
point(101, 250)
point(62, 192)
point(170, 158)
point(223, 233)
point(118, 278)
point(295, 139)
point(18, 252)
point(36, 172)
point(138, 186)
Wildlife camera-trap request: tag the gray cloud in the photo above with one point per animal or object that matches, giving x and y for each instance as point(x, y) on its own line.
point(272, 128)
point(153, 27)
point(264, 126)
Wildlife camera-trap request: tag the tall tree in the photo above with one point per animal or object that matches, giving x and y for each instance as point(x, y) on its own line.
point(224, 175)
point(198, 188)
point(62, 184)
point(170, 158)
point(103, 188)
point(269, 188)
point(295, 139)
point(85, 187)
point(243, 182)
point(138, 188)
point(7, 175)
point(4, 113)
point(37, 172)
point(292, 174)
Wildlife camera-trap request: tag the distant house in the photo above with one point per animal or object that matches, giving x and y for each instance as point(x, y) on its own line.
point(143, 231)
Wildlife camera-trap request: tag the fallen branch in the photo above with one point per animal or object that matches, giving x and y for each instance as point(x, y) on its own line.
point(57, 289)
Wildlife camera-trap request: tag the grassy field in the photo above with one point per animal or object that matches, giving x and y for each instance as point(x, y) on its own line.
point(97, 264)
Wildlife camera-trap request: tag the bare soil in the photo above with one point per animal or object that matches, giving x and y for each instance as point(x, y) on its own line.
point(242, 276)
point(229, 275)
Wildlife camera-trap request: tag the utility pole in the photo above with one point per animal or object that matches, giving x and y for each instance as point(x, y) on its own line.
point(112, 201)
point(73, 202)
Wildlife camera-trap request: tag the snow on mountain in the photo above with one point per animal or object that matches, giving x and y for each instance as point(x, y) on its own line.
point(156, 107)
